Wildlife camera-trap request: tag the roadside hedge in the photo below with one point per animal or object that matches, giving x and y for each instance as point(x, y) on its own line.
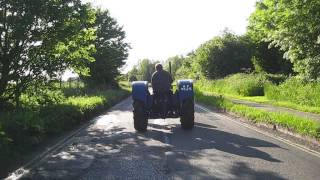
point(24, 128)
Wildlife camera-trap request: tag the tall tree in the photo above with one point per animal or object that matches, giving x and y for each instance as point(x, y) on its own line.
point(223, 55)
point(292, 25)
point(40, 38)
point(112, 50)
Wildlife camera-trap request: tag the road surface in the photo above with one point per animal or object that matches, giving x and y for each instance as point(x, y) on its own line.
point(217, 148)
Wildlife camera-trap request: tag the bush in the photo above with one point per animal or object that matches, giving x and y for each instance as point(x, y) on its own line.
point(23, 127)
point(295, 91)
point(223, 55)
point(5, 144)
point(4, 141)
point(86, 103)
point(276, 78)
point(44, 97)
point(61, 117)
point(237, 84)
point(73, 91)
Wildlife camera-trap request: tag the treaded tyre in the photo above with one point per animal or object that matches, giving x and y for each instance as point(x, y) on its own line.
point(187, 114)
point(140, 116)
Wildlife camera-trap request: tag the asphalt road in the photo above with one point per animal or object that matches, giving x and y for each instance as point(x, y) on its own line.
point(217, 148)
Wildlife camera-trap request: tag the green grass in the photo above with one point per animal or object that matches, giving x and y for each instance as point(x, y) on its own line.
point(237, 84)
point(265, 100)
point(293, 123)
point(291, 93)
point(295, 91)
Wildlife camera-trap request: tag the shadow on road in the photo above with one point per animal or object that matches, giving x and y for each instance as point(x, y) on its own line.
point(204, 137)
point(117, 153)
point(243, 171)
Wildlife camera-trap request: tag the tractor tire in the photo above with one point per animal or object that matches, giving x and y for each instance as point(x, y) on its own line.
point(140, 116)
point(187, 114)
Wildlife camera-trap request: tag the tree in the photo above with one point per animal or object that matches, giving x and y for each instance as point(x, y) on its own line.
point(223, 55)
point(132, 78)
point(143, 71)
point(176, 63)
point(292, 25)
point(132, 75)
point(111, 50)
point(146, 69)
point(269, 59)
point(40, 38)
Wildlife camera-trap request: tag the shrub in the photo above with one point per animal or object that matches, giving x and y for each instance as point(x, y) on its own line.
point(4, 140)
point(47, 114)
point(276, 78)
point(27, 126)
point(60, 117)
point(295, 91)
point(86, 103)
point(23, 127)
point(237, 84)
point(44, 97)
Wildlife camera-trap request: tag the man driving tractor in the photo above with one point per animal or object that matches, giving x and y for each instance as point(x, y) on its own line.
point(161, 84)
point(161, 80)
point(163, 103)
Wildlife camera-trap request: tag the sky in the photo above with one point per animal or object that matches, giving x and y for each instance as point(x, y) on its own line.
point(159, 29)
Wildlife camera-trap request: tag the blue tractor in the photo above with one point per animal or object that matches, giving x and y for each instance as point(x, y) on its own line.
point(170, 105)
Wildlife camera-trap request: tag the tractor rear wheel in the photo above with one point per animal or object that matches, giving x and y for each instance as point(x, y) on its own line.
point(140, 116)
point(187, 114)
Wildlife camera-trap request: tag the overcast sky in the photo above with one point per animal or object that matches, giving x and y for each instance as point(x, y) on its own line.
point(159, 29)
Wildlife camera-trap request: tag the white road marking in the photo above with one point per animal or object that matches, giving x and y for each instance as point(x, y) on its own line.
point(303, 148)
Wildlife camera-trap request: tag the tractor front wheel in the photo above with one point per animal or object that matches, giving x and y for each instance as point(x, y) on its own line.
point(187, 114)
point(140, 116)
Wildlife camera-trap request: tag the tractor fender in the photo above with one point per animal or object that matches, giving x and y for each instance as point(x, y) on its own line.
point(185, 89)
point(140, 91)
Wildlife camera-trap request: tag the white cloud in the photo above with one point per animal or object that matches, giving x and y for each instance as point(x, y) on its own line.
point(158, 29)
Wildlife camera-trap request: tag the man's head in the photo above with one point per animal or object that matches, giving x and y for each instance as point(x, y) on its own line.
point(158, 67)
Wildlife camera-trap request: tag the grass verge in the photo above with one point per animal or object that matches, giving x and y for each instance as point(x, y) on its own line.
point(303, 126)
point(270, 89)
point(265, 100)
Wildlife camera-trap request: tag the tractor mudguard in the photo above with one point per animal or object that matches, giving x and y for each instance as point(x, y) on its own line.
point(185, 89)
point(140, 91)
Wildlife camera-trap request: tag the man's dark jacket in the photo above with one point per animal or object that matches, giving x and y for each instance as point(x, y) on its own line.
point(161, 81)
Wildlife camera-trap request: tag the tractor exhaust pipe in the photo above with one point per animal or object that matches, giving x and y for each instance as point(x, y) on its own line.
point(170, 68)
